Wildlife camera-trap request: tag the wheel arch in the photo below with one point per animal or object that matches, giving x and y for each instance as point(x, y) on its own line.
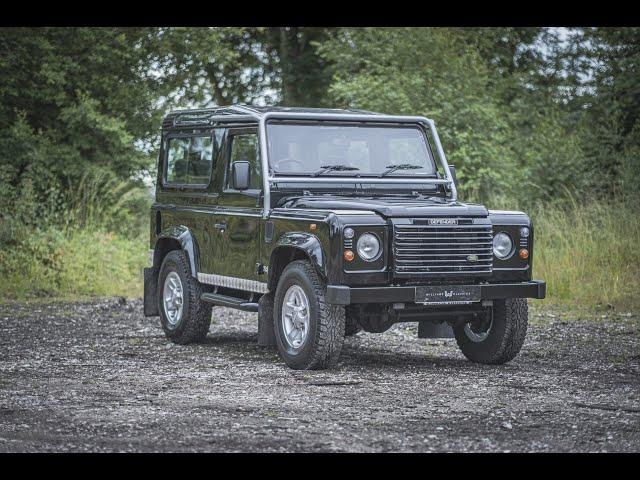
point(295, 246)
point(177, 238)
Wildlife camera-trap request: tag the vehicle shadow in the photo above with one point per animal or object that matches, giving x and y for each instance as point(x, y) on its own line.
point(244, 344)
point(387, 358)
point(231, 338)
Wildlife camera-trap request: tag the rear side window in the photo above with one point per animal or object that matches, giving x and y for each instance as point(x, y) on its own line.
point(189, 160)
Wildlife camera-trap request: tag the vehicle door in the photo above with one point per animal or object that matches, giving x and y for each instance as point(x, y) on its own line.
point(239, 214)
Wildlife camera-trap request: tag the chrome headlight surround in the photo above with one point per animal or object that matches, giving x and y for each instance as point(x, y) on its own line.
point(503, 246)
point(368, 247)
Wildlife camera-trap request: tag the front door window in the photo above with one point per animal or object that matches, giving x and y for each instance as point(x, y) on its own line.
point(244, 147)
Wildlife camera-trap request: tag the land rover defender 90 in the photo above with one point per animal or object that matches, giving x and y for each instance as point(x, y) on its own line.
point(327, 222)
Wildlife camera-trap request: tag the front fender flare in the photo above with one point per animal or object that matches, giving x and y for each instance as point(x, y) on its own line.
point(305, 242)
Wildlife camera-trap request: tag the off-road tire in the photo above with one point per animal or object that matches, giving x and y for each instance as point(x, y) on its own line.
point(351, 326)
point(505, 337)
point(194, 324)
point(324, 341)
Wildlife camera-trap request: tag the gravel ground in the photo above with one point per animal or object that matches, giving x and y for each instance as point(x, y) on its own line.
point(100, 377)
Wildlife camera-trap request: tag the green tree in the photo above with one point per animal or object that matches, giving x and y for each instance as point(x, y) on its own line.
point(304, 75)
point(432, 72)
point(215, 66)
point(72, 100)
point(224, 66)
point(612, 110)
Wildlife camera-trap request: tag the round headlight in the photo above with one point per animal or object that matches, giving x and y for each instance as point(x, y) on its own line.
point(502, 245)
point(348, 233)
point(368, 247)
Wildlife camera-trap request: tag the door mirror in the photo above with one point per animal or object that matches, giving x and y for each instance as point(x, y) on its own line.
point(240, 175)
point(453, 174)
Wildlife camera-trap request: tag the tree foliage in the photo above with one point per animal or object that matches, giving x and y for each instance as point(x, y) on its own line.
point(225, 66)
point(72, 101)
point(526, 114)
point(419, 71)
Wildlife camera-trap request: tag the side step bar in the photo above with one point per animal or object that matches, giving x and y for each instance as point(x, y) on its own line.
point(227, 301)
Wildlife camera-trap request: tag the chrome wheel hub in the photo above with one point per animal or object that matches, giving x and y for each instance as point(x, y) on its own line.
point(295, 316)
point(173, 298)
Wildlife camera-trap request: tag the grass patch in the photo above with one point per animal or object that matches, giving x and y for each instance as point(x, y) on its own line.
point(73, 264)
point(589, 256)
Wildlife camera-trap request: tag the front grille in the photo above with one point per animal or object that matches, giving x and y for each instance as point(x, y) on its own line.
point(422, 250)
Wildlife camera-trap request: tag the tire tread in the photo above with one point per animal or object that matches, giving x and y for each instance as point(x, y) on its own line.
point(515, 312)
point(331, 322)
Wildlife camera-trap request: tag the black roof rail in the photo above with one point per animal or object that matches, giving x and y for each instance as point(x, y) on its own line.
point(241, 113)
point(208, 116)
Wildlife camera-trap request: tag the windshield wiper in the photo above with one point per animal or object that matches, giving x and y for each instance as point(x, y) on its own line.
point(401, 166)
point(328, 168)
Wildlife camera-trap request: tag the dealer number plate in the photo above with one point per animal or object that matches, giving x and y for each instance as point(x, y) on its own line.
point(448, 295)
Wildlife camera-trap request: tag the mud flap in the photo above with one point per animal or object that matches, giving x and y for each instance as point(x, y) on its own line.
point(434, 330)
point(151, 292)
point(266, 332)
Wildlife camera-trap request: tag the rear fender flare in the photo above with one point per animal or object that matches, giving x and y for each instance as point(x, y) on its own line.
point(187, 242)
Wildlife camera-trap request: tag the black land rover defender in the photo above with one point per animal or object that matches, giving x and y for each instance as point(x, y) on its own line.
point(328, 222)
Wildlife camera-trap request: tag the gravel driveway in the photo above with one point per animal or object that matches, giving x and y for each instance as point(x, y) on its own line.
point(101, 377)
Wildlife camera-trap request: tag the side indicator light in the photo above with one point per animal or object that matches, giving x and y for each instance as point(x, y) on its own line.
point(524, 253)
point(348, 255)
point(313, 227)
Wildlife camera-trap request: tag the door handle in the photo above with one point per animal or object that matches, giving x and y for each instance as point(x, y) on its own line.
point(221, 225)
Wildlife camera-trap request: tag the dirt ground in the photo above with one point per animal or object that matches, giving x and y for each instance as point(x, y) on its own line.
point(101, 377)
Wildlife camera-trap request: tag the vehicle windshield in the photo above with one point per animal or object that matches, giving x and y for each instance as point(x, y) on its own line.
point(348, 150)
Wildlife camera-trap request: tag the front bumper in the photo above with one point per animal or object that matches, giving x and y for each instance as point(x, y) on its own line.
point(343, 295)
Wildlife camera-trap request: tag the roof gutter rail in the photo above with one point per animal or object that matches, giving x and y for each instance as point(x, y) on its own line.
point(247, 111)
point(213, 119)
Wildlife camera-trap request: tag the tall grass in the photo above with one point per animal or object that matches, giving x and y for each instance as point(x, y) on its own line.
point(100, 201)
point(589, 254)
point(93, 244)
point(74, 263)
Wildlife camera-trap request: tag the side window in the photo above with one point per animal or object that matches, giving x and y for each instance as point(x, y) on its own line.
point(189, 160)
point(245, 147)
point(200, 160)
point(177, 153)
